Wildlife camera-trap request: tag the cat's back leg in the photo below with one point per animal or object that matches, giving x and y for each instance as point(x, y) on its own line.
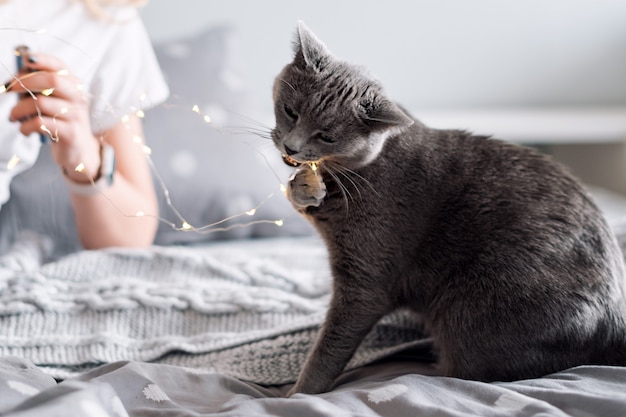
point(514, 330)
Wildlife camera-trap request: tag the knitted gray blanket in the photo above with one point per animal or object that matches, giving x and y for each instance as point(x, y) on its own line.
point(249, 309)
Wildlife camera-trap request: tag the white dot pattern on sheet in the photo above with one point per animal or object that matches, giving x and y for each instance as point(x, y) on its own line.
point(22, 388)
point(154, 393)
point(386, 394)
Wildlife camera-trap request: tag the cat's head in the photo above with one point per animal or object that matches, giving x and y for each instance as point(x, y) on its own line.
point(330, 110)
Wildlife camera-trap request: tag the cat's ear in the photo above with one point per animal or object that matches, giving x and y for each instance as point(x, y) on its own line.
point(309, 51)
point(382, 113)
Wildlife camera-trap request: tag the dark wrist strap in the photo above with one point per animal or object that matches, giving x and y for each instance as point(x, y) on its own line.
point(103, 179)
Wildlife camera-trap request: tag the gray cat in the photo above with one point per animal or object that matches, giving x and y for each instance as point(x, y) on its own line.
point(500, 250)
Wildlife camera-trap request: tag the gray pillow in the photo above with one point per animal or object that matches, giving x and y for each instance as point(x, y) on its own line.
point(214, 171)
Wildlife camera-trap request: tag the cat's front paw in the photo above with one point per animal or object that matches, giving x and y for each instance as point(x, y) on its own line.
point(306, 188)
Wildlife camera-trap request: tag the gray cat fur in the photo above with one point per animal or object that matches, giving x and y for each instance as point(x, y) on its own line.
point(501, 251)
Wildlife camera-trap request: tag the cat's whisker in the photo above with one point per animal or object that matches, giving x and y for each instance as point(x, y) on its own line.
point(263, 134)
point(339, 170)
point(347, 171)
point(249, 120)
point(249, 126)
point(354, 178)
point(354, 185)
point(347, 196)
point(267, 146)
point(287, 84)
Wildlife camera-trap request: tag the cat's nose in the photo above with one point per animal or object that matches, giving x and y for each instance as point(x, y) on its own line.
point(290, 151)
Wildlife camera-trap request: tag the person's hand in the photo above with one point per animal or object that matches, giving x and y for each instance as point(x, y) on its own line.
point(52, 103)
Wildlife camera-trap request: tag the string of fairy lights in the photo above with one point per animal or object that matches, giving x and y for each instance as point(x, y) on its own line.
point(180, 223)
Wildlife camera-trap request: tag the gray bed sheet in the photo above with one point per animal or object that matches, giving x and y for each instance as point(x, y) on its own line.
point(389, 388)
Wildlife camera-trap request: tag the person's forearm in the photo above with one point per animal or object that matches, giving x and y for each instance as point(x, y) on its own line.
point(110, 218)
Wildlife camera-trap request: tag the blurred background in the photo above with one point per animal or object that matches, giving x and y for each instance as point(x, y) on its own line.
point(546, 73)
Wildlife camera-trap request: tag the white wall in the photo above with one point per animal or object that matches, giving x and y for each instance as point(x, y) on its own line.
point(434, 53)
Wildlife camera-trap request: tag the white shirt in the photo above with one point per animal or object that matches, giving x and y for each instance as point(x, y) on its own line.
point(114, 60)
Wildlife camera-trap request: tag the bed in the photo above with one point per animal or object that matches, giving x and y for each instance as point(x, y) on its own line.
point(223, 328)
point(219, 321)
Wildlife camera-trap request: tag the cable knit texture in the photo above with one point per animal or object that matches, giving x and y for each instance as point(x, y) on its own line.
point(249, 309)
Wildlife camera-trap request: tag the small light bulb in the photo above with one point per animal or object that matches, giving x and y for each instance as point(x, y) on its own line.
point(125, 119)
point(80, 167)
point(279, 223)
point(313, 166)
point(251, 212)
point(140, 114)
point(64, 110)
point(47, 91)
point(186, 226)
point(147, 150)
point(283, 188)
point(195, 108)
point(45, 129)
point(63, 72)
point(140, 214)
point(3, 88)
point(207, 119)
point(13, 162)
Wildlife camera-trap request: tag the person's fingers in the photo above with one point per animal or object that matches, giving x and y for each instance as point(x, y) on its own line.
point(29, 107)
point(51, 127)
point(44, 62)
point(47, 83)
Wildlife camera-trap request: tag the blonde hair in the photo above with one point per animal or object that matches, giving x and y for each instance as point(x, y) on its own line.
point(98, 7)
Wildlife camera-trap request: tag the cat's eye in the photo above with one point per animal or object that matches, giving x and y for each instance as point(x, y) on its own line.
point(324, 137)
point(290, 113)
